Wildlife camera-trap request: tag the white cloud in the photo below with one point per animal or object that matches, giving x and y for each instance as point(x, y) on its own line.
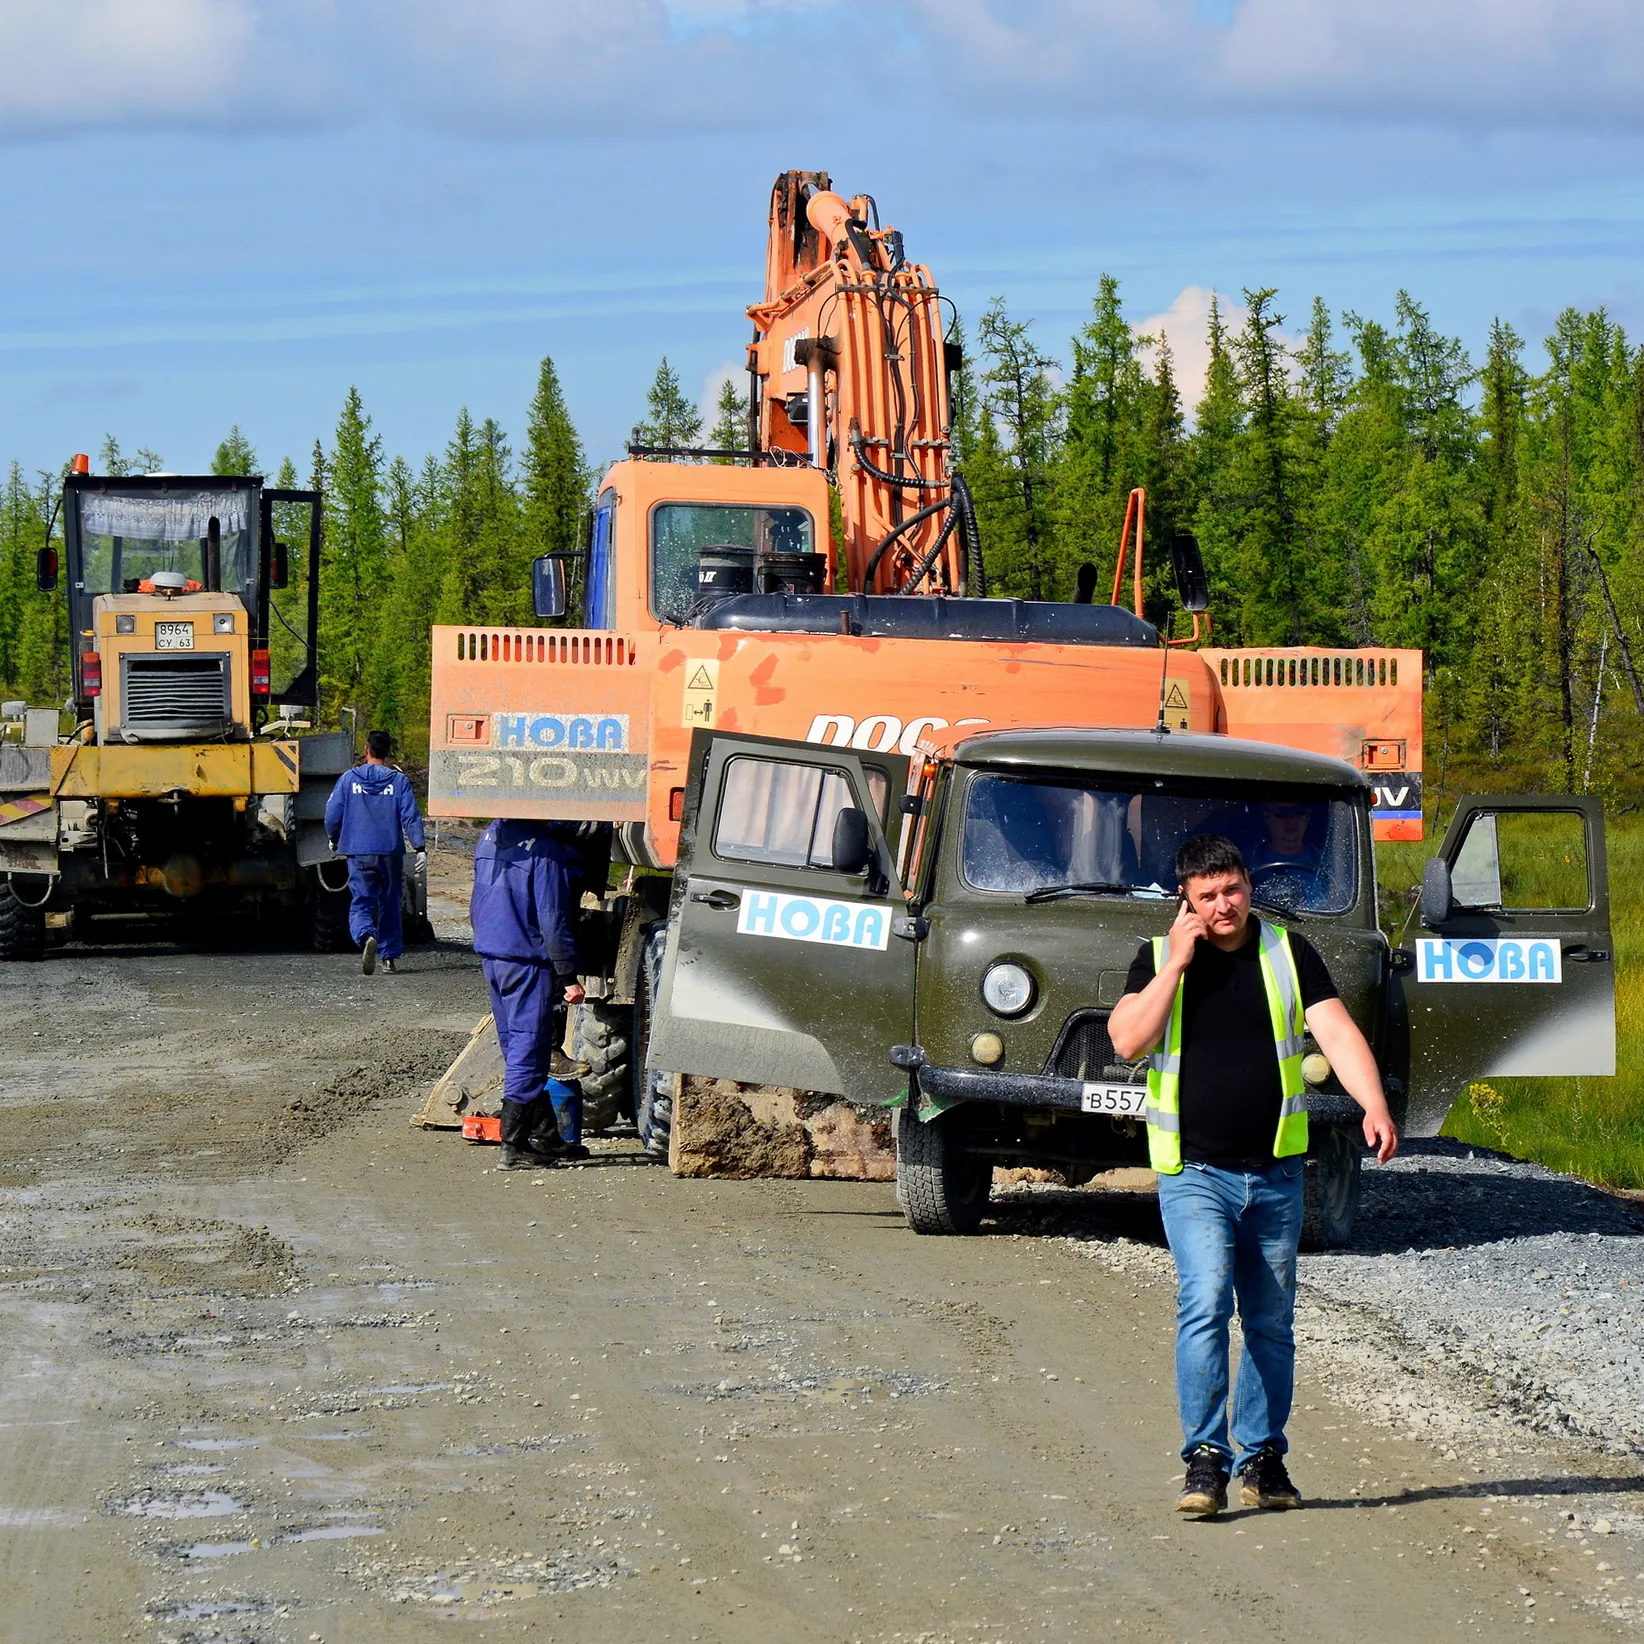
point(1499, 61)
point(1185, 325)
point(72, 64)
point(617, 67)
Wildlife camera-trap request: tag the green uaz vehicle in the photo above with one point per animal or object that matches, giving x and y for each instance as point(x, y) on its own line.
point(951, 947)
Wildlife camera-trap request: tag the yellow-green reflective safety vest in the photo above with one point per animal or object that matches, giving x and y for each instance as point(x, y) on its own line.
point(1164, 1066)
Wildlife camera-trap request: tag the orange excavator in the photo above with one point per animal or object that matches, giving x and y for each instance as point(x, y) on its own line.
point(717, 595)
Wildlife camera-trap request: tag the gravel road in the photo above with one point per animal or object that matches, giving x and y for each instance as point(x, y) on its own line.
point(278, 1367)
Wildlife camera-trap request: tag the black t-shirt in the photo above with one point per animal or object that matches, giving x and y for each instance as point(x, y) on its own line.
point(1230, 1091)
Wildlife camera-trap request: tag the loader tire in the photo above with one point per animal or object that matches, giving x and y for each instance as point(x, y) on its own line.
point(654, 1110)
point(22, 928)
point(327, 913)
point(940, 1187)
point(415, 925)
point(1330, 1189)
point(601, 1036)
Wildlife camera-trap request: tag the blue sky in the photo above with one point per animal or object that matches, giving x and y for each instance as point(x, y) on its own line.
point(219, 211)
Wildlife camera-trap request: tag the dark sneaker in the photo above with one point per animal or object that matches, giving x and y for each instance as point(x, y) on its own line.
point(1265, 1483)
point(389, 966)
point(1205, 1492)
point(368, 956)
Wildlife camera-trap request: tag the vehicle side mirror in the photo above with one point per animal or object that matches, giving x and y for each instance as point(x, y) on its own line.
point(45, 569)
point(1436, 898)
point(548, 585)
point(852, 843)
point(279, 565)
point(1187, 563)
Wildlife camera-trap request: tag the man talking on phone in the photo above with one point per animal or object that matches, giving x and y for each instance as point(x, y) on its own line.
point(1219, 1007)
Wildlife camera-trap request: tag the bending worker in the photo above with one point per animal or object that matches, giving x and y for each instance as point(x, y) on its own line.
point(1220, 1005)
point(369, 816)
point(523, 912)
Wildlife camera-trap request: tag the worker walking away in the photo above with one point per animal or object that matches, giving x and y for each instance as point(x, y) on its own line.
point(1220, 1006)
point(371, 814)
point(523, 912)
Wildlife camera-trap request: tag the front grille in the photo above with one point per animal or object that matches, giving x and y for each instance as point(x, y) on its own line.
point(1084, 1051)
point(174, 695)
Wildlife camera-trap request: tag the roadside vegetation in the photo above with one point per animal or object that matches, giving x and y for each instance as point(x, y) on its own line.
point(1592, 1128)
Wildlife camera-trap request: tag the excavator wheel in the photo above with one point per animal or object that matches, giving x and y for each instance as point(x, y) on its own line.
point(654, 1110)
point(601, 1034)
point(327, 913)
point(22, 927)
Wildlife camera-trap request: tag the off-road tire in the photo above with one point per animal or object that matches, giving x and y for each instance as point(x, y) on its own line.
point(1330, 1189)
point(415, 925)
point(327, 915)
point(654, 1109)
point(941, 1187)
point(22, 928)
point(601, 1036)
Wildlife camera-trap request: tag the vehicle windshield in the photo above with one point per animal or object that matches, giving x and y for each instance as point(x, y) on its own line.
point(682, 531)
point(1114, 836)
point(125, 539)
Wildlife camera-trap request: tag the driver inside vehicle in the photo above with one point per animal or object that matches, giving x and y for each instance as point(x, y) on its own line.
point(1288, 854)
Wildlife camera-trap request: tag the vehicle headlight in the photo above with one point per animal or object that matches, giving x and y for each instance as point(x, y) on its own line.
point(223, 622)
point(125, 624)
point(1007, 989)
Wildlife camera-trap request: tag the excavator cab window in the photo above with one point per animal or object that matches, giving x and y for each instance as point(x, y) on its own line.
point(682, 531)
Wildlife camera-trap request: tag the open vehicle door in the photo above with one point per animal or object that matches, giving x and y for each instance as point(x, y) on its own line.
point(1512, 972)
point(788, 961)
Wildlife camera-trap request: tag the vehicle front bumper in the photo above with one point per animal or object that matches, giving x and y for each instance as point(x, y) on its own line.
point(944, 1087)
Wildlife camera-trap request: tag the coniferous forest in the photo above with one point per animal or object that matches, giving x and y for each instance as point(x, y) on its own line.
point(1352, 480)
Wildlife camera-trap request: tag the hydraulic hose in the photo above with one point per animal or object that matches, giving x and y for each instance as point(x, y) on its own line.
point(925, 565)
point(908, 482)
point(896, 531)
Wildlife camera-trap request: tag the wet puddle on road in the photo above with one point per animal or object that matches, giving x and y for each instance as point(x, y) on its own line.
point(182, 1504)
point(336, 1532)
point(218, 1443)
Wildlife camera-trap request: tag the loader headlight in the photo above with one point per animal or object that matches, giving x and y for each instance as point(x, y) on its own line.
point(125, 624)
point(1007, 989)
point(223, 622)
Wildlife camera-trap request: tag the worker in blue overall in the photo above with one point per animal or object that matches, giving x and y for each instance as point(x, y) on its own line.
point(368, 818)
point(523, 913)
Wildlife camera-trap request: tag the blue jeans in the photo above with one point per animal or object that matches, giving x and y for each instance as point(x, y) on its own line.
point(1234, 1235)
point(374, 886)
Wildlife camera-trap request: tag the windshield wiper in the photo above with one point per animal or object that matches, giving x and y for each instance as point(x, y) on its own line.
point(1083, 887)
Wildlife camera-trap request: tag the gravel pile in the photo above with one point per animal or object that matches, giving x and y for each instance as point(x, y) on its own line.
point(1478, 1289)
point(1521, 1288)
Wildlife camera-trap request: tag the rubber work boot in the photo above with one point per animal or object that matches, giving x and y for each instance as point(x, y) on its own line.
point(368, 956)
point(1265, 1483)
point(1204, 1494)
point(519, 1152)
point(561, 1135)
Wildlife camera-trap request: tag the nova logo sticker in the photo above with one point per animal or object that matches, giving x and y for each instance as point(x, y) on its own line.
point(591, 733)
point(813, 919)
point(1523, 959)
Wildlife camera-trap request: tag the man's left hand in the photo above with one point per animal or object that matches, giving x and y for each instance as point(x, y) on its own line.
point(1381, 1135)
point(574, 994)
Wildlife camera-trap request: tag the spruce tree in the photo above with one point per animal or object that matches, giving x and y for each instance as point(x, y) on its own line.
point(354, 561)
point(1013, 458)
point(730, 429)
point(671, 419)
point(555, 475)
point(235, 456)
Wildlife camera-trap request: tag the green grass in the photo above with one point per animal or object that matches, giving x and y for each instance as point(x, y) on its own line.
point(1587, 1127)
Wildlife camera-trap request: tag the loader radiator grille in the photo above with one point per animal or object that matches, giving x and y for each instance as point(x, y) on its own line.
point(174, 695)
point(1084, 1051)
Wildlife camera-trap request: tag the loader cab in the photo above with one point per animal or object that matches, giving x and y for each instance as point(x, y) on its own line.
point(193, 602)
